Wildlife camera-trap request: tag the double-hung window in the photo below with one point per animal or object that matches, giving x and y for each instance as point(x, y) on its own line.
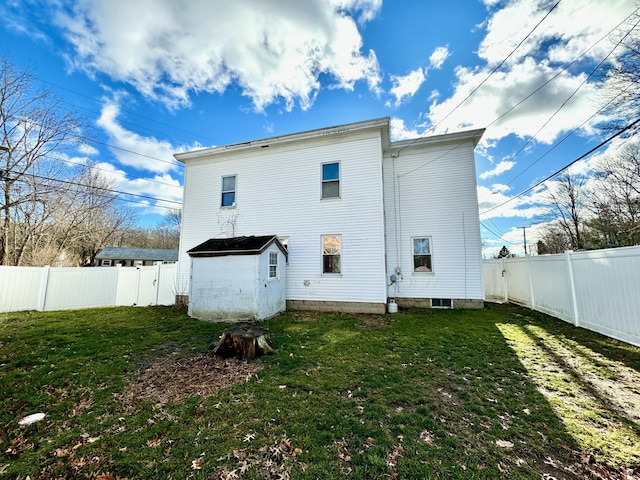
point(228, 191)
point(331, 180)
point(422, 254)
point(331, 253)
point(273, 265)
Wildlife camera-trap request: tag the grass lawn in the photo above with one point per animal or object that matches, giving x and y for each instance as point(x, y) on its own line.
point(132, 393)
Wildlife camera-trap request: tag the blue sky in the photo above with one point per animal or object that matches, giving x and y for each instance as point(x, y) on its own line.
point(154, 77)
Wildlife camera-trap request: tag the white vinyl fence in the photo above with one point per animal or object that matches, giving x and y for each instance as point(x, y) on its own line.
point(62, 288)
point(598, 290)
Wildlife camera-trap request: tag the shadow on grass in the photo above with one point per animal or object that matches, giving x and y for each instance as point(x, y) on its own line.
point(447, 386)
point(593, 390)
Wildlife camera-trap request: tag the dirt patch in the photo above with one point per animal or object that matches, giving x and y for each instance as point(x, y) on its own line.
point(372, 322)
point(169, 379)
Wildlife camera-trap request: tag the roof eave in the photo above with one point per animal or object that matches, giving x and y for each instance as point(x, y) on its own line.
point(382, 123)
point(462, 136)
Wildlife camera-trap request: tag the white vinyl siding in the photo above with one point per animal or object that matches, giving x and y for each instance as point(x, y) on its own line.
point(432, 190)
point(286, 204)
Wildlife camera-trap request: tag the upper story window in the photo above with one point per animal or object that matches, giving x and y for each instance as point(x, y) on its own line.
point(273, 265)
point(228, 191)
point(331, 253)
point(331, 180)
point(422, 254)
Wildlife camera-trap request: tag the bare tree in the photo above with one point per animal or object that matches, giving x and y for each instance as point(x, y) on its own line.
point(567, 198)
point(616, 199)
point(33, 126)
point(620, 89)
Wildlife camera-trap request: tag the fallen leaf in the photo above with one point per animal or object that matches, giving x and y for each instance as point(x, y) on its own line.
point(196, 464)
point(504, 444)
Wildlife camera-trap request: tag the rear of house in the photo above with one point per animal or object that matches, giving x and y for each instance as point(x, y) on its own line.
point(352, 210)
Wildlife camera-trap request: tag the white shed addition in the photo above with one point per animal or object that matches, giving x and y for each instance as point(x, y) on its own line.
point(239, 278)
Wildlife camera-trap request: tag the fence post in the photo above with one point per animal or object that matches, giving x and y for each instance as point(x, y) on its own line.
point(44, 284)
point(574, 299)
point(531, 294)
point(505, 280)
point(156, 283)
point(115, 294)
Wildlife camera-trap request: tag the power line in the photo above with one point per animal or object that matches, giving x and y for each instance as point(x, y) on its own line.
point(104, 189)
point(60, 87)
point(125, 176)
point(617, 134)
point(495, 69)
point(591, 74)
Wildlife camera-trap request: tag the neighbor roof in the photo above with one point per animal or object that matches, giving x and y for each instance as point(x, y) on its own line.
point(217, 247)
point(124, 253)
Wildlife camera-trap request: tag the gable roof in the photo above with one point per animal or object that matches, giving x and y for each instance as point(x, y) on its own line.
point(125, 253)
point(218, 247)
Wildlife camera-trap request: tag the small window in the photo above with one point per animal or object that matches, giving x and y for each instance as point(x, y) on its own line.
point(331, 180)
point(422, 254)
point(228, 191)
point(331, 254)
point(106, 263)
point(273, 265)
point(441, 303)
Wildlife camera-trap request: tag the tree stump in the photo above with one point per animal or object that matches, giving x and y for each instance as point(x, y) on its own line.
point(244, 341)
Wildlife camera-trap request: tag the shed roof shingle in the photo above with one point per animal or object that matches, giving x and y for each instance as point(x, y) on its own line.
point(252, 245)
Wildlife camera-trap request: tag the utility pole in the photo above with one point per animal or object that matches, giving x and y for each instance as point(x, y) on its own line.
point(524, 233)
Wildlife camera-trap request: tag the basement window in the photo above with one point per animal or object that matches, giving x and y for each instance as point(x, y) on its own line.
point(441, 303)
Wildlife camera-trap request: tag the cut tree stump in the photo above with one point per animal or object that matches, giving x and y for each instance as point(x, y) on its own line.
point(244, 341)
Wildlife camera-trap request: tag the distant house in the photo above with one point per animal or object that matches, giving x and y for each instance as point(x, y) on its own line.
point(364, 219)
point(134, 257)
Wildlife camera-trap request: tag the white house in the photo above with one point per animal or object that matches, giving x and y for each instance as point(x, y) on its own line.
point(364, 219)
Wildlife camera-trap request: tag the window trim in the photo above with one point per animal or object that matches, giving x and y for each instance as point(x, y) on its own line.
point(323, 181)
point(223, 191)
point(339, 254)
point(413, 255)
point(277, 266)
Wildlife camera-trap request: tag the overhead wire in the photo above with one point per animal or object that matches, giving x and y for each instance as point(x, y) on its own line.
point(94, 187)
point(564, 103)
point(584, 155)
point(495, 69)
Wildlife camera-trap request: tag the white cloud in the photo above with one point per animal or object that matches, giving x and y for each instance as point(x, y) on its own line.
point(438, 57)
point(500, 168)
point(87, 149)
point(562, 37)
point(495, 204)
point(500, 187)
point(569, 30)
point(406, 86)
point(399, 131)
point(134, 150)
point(162, 186)
point(274, 51)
